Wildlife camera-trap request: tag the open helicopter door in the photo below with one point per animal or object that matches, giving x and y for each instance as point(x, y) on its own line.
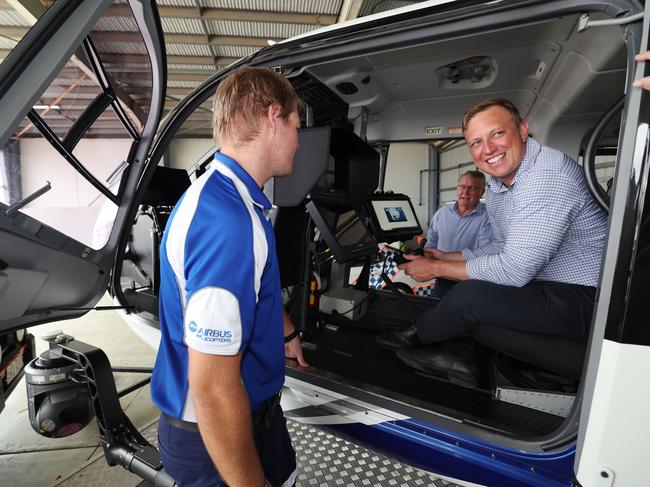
point(614, 433)
point(64, 199)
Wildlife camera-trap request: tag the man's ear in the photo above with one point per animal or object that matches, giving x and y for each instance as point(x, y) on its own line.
point(273, 115)
point(523, 130)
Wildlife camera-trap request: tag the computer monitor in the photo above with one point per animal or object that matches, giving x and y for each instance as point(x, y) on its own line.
point(344, 233)
point(392, 217)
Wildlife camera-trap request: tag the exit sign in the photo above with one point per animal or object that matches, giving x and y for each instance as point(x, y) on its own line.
point(433, 130)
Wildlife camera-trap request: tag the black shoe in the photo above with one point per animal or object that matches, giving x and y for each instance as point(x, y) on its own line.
point(438, 361)
point(398, 339)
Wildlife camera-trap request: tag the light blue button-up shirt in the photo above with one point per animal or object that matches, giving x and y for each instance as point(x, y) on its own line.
point(546, 225)
point(450, 231)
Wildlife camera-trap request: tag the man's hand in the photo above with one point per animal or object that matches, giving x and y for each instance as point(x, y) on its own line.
point(424, 269)
point(420, 268)
point(293, 348)
point(432, 253)
point(643, 82)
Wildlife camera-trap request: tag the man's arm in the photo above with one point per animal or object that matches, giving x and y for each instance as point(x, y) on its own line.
point(292, 348)
point(424, 269)
point(484, 233)
point(432, 233)
point(440, 255)
point(224, 418)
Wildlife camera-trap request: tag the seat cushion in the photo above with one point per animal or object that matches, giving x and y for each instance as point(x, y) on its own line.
point(564, 356)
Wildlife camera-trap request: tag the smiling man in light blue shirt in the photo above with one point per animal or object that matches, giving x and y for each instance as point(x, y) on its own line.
point(540, 271)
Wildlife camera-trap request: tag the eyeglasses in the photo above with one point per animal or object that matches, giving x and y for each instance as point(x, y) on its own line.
point(471, 189)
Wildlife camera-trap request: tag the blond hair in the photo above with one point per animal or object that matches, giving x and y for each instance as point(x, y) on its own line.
point(242, 100)
point(492, 102)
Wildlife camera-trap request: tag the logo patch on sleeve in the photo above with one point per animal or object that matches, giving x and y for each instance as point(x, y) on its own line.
point(210, 334)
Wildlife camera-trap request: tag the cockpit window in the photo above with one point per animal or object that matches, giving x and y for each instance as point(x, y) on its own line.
point(65, 163)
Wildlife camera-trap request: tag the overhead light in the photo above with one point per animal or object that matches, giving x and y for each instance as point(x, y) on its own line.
point(46, 107)
point(271, 42)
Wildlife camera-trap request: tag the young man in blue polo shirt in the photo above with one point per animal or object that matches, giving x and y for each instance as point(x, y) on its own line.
point(224, 334)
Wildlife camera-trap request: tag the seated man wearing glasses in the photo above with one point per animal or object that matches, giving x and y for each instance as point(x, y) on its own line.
point(460, 225)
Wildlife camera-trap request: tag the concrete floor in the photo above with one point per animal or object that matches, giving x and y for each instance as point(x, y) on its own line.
point(28, 459)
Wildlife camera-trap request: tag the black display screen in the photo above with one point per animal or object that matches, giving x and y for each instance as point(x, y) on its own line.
point(345, 233)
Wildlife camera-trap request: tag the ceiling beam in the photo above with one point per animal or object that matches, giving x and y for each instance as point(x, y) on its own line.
point(229, 14)
point(171, 38)
point(142, 59)
point(217, 40)
point(70, 74)
point(179, 76)
point(179, 91)
point(19, 32)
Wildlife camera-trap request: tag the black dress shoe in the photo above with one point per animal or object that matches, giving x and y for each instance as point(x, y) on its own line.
point(439, 361)
point(398, 339)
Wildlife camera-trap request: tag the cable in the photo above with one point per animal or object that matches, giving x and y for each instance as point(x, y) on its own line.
point(394, 290)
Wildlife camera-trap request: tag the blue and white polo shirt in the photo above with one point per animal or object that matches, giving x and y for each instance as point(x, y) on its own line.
point(219, 289)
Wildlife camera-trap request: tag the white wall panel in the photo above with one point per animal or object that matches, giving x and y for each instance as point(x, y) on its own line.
point(405, 161)
point(184, 153)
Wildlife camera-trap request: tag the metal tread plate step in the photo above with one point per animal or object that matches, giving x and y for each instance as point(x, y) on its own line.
point(323, 460)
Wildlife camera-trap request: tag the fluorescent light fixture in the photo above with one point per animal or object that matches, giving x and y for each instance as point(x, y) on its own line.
point(45, 107)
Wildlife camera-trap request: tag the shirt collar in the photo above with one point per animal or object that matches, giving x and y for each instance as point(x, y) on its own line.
point(477, 209)
point(530, 157)
point(257, 197)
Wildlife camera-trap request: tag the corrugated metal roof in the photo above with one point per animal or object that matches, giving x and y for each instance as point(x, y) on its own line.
point(181, 26)
point(10, 17)
point(65, 82)
point(176, 3)
point(7, 43)
point(323, 7)
point(190, 67)
point(188, 50)
point(234, 51)
point(194, 34)
point(120, 47)
point(269, 30)
point(375, 6)
point(116, 24)
point(183, 84)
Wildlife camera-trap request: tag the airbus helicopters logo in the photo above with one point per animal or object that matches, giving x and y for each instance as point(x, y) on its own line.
point(210, 334)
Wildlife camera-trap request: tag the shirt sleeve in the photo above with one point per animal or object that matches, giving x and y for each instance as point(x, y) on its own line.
point(220, 289)
point(432, 233)
point(542, 212)
point(488, 243)
point(485, 232)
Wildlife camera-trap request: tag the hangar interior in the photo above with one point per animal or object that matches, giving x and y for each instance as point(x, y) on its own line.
point(563, 88)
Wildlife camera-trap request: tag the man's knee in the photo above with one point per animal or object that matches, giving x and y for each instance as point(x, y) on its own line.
point(469, 298)
point(466, 291)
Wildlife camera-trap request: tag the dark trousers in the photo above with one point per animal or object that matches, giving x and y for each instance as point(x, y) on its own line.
point(538, 307)
point(187, 461)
